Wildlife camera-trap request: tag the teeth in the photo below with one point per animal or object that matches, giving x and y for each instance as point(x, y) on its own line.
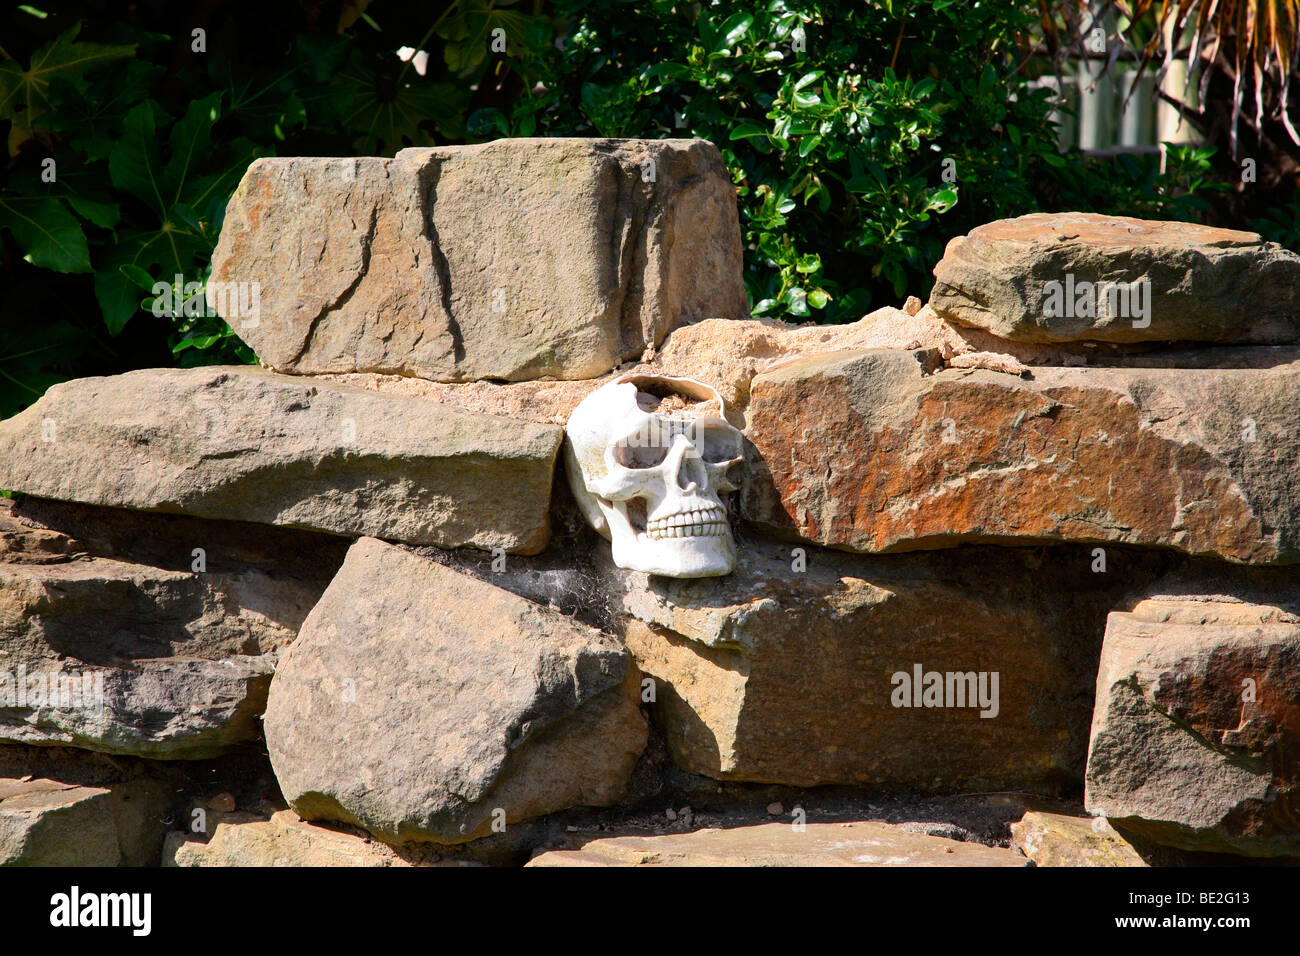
point(701, 522)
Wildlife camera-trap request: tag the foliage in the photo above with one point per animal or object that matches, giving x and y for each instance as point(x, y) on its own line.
point(1254, 39)
point(1241, 57)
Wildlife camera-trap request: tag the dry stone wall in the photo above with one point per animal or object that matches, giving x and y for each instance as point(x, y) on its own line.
point(1041, 534)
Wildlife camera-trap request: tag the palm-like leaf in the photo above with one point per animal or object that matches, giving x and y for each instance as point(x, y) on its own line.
point(1254, 39)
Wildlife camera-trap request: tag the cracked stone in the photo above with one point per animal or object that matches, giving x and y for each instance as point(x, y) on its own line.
point(510, 260)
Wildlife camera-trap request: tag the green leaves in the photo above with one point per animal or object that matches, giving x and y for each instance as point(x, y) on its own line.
point(27, 94)
point(179, 195)
point(841, 123)
point(134, 164)
point(50, 236)
point(474, 29)
point(720, 42)
point(30, 350)
point(389, 112)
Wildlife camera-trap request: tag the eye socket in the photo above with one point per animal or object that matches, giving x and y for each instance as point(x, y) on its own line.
point(640, 456)
point(648, 447)
point(719, 444)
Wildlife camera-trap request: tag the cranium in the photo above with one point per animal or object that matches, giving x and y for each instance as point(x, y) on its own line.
point(648, 458)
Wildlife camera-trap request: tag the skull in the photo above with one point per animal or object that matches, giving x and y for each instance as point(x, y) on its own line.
point(648, 458)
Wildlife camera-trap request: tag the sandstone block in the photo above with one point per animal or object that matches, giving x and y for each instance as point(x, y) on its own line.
point(113, 639)
point(1054, 839)
point(1197, 720)
point(1201, 284)
point(864, 450)
point(283, 840)
point(242, 444)
point(510, 260)
point(778, 844)
point(804, 670)
point(49, 823)
point(422, 704)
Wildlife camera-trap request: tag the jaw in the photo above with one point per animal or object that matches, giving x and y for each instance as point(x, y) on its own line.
point(702, 556)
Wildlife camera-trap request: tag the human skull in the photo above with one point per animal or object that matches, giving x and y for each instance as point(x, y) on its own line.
point(648, 458)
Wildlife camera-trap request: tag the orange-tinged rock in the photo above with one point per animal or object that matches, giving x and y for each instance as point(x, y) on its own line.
point(866, 451)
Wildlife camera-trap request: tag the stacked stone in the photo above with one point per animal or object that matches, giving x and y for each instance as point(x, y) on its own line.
point(174, 528)
point(363, 542)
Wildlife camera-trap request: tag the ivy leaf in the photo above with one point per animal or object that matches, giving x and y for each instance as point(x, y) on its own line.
point(263, 104)
point(173, 192)
point(50, 236)
point(191, 142)
point(25, 94)
point(471, 32)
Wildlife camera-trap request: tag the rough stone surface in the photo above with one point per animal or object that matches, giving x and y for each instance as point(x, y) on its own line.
point(1206, 284)
point(284, 840)
point(728, 355)
point(242, 444)
point(779, 844)
point(111, 641)
point(993, 361)
point(1196, 729)
point(416, 700)
point(547, 402)
point(510, 260)
point(1054, 839)
point(49, 823)
point(779, 675)
point(864, 450)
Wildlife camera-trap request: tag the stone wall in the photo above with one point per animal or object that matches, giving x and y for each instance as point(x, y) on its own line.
point(1038, 536)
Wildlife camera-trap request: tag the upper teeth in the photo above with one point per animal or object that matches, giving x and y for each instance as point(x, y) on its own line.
point(705, 521)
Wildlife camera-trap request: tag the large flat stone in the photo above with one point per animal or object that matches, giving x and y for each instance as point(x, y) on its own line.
point(423, 704)
point(864, 450)
point(111, 640)
point(1205, 284)
point(1197, 720)
point(243, 444)
point(510, 260)
point(780, 675)
point(780, 844)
